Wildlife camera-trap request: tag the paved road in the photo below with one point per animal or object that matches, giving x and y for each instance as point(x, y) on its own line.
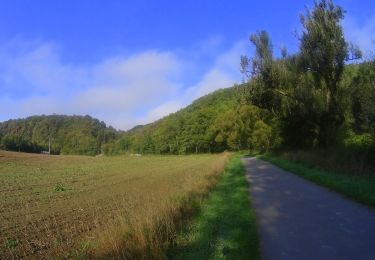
point(301, 220)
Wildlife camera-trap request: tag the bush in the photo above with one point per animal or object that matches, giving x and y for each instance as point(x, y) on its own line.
point(349, 160)
point(108, 149)
point(363, 141)
point(261, 137)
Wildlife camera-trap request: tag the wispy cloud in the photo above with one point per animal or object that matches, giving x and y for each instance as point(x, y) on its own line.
point(123, 90)
point(222, 74)
point(361, 34)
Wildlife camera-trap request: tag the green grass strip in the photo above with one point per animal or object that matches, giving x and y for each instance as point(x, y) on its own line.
point(225, 228)
point(358, 188)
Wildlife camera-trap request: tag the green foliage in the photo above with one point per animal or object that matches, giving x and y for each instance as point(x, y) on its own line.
point(323, 47)
point(323, 53)
point(108, 148)
point(308, 93)
point(362, 191)
point(261, 137)
point(244, 128)
point(225, 228)
point(11, 243)
point(362, 140)
point(264, 74)
point(363, 99)
point(190, 130)
point(59, 188)
point(68, 134)
point(213, 123)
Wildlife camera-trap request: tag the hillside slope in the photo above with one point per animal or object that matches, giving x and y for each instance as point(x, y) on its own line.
point(213, 123)
point(185, 131)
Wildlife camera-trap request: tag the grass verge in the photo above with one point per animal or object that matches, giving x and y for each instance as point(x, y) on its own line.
point(358, 188)
point(226, 226)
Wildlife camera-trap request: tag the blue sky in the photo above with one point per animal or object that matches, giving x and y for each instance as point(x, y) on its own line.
point(131, 62)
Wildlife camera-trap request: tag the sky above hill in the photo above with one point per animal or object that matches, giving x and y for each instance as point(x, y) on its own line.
point(132, 62)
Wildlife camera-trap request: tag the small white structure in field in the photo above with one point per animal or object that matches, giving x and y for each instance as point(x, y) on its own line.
point(49, 147)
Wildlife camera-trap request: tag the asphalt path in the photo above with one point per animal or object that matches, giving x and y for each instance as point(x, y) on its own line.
point(298, 219)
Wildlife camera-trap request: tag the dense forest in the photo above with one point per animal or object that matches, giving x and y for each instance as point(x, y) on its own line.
point(213, 123)
point(319, 97)
point(65, 134)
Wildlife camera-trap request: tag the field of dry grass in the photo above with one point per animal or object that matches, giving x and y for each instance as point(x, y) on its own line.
point(77, 206)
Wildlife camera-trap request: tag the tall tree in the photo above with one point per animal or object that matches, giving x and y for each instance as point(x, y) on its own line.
point(324, 51)
point(261, 73)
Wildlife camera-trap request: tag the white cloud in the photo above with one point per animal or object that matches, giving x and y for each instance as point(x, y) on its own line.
point(37, 69)
point(211, 81)
point(361, 34)
point(224, 73)
point(125, 83)
point(162, 110)
point(122, 91)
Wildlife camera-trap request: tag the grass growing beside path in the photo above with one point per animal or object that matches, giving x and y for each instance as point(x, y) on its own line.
point(226, 226)
point(358, 188)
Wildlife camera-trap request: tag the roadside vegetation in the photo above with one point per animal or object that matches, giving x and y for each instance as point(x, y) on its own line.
point(225, 228)
point(109, 207)
point(358, 187)
point(350, 161)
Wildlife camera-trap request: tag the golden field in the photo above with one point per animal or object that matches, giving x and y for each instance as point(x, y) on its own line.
point(94, 207)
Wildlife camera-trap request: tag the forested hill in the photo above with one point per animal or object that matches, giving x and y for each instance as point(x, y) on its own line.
point(213, 123)
point(210, 105)
point(185, 131)
point(67, 134)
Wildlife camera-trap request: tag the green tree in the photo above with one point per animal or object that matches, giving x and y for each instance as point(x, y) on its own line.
point(262, 76)
point(324, 51)
point(363, 99)
point(32, 134)
point(261, 137)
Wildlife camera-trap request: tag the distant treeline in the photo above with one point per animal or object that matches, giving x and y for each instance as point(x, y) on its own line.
point(66, 134)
